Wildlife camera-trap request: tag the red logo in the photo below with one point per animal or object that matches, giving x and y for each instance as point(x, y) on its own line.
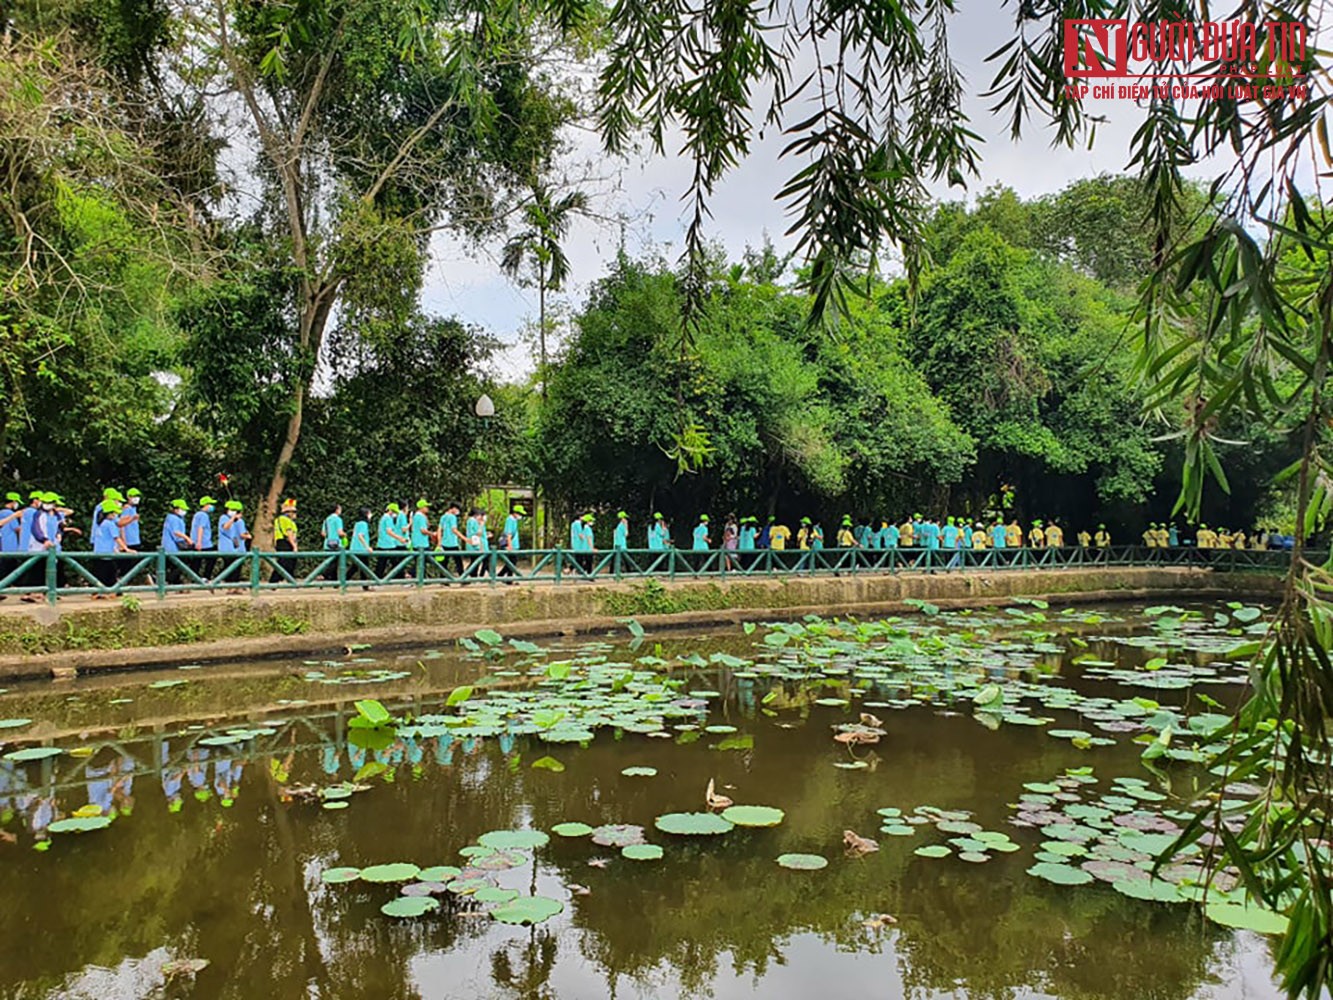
point(1096, 47)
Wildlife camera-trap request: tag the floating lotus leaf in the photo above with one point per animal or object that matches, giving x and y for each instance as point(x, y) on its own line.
point(500, 861)
point(423, 889)
point(895, 830)
point(753, 815)
point(438, 873)
point(890, 812)
point(1114, 871)
point(334, 806)
point(693, 824)
point(467, 886)
point(1152, 890)
point(397, 871)
point(33, 753)
point(1064, 848)
point(934, 851)
point(957, 826)
point(851, 765)
point(975, 857)
point(1249, 917)
point(1060, 874)
point(571, 829)
point(617, 835)
point(80, 824)
point(831, 703)
point(335, 876)
point(522, 840)
point(803, 862)
point(639, 772)
point(642, 852)
point(527, 910)
point(410, 906)
point(14, 723)
point(494, 894)
point(719, 729)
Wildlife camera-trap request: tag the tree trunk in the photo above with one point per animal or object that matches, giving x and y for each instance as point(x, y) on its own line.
point(541, 328)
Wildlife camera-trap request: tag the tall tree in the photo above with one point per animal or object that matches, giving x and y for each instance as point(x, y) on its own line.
point(375, 123)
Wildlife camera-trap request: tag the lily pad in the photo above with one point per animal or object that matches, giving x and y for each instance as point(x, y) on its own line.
point(33, 753)
point(753, 815)
point(1249, 917)
point(14, 723)
point(522, 840)
point(410, 906)
point(494, 894)
point(571, 829)
point(934, 851)
point(693, 824)
point(80, 824)
point(803, 862)
point(639, 772)
point(528, 910)
point(642, 852)
point(1060, 874)
point(335, 876)
point(439, 873)
point(397, 871)
point(617, 835)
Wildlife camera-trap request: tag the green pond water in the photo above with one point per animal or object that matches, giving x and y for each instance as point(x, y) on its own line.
point(229, 790)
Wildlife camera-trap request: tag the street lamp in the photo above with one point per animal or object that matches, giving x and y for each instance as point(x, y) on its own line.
point(485, 407)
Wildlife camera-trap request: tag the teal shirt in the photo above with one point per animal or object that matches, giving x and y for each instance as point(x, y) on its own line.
point(816, 537)
point(420, 530)
point(657, 537)
point(997, 536)
point(476, 537)
point(748, 534)
point(576, 537)
point(701, 538)
point(383, 540)
point(620, 539)
point(511, 531)
point(333, 526)
point(448, 525)
point(360, 537)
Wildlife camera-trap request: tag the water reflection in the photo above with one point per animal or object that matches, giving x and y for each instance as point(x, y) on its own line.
point(210, 857)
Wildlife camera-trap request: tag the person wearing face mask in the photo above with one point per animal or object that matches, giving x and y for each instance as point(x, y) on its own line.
point(11, 518)
point(201, 535)
point(129, 520)
point(42, 529)
point(174, 537)
point(107, 541)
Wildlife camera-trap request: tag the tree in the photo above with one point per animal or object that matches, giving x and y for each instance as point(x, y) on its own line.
point(546, 223)
point(376, 122)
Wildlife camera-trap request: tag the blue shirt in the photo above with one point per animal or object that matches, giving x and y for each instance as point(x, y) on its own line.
point(763, 540)
point(171, 528)
point(620, 537)
point(997, 536)
point(360, 537)
point(333, 526)
point(130, 532)
point(700, 537)
point(26, 519)
point(448, 529)
point(105, 535)
point(965, 537)
point(657, 535)
point(229, 538)
point(420, 530)
point(201, 530)
point(9, 532)
point(384, 540)
point(511, 532)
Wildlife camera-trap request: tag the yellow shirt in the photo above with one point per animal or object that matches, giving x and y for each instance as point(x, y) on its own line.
point(803, 538)
point(1084, 539)
point(1150, 538)
point(1223, 541)
point(846, 539)
point(1013, 536)
point(1102, 539)
point(1054, 537)
point(1205, 539)
point(906, 534)
point(1037, 538)
point(979, 540)
point(283, 526)
point(1238, 540)
point(777, 537)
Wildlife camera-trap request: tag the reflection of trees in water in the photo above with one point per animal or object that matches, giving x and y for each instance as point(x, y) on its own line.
point(535, 962)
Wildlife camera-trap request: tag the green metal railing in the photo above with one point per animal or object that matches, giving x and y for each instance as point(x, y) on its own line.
point(58, 574)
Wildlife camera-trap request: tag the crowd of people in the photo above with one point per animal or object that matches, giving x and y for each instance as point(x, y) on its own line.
point(116, 526)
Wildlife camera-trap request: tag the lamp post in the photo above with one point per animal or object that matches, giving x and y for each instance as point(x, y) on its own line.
point(485, 407)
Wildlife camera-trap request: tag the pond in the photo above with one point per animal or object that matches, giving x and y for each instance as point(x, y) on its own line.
point(247, 830)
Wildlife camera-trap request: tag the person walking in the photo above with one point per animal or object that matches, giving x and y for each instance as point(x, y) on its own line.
point(388, 539)
point(284, 540)
point(420, 537)
point(130, 521)
point(620, 537)
point(450, 539)
point(509, 541)
point(11, 522)
point(107, 542)
point(657, 534)
point(701, 534)
point(358, 546)
point(201, 536)
point(331, 532)
point(731, 539)
point(476, 542)
point(175, 538)
point(232, 535)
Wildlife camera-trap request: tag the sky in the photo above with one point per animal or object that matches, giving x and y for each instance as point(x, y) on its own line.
point(466, 281)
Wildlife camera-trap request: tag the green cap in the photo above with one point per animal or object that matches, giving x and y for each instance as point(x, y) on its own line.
point(235, 505)
point(132, 492)
point(772, 518)
point(110, 507)
point(393, 508)
point(805, 520)
point(36, 495)
point(206, 500)
point(703, 518)
point(622, 515)
point(846, 518)
point(950, 521)
point(50, 498)
point(518, 508)
point(1101, 527)
point(657, 516)
point(422, 503)
point(14, 497)
point(179, 505)
point(1037, 523)
point(588, 519)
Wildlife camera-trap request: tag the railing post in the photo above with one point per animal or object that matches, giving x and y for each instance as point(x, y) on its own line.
point(160, 565)
point(51, 575)
point(254, 572)
point(342, 571)
point(615, 565)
